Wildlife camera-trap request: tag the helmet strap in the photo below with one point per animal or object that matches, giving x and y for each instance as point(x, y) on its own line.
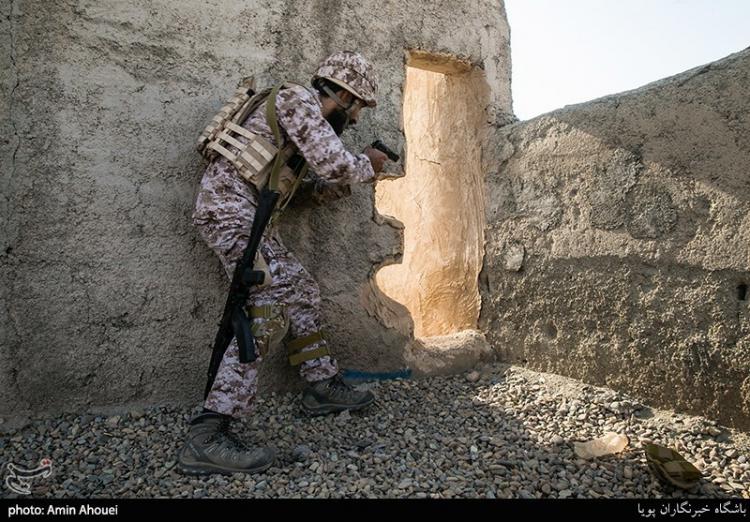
point(338, 100)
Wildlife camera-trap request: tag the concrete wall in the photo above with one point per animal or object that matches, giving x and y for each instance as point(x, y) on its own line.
point(618, 241)
point(108, 295)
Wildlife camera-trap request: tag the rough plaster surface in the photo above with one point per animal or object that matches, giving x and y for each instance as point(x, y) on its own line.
point(448, 354)
point(108, 296)
point(440, 201)
point(618, 234)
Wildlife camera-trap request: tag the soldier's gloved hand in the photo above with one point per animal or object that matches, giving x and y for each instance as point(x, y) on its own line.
point(377, 158)
point(325, 191)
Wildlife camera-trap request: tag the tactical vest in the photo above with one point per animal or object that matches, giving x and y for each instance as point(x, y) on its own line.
point(262, 164)
point(255, 158)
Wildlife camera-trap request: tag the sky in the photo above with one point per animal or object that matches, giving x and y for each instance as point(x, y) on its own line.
point(571, 51)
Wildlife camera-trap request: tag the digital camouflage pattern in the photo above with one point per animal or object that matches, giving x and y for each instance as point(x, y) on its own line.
point(224, 211)
point(353, 72)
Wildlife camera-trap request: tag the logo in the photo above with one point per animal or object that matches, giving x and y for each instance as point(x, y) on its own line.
point(19, 479)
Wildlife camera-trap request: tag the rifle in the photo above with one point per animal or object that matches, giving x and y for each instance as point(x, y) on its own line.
point(234, 321)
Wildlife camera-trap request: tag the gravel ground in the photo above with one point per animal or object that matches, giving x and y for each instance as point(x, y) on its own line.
point(503, 432)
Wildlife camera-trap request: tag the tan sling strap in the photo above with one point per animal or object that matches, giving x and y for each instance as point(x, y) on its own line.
point(273, 179)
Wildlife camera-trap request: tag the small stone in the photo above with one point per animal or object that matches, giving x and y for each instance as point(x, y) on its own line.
point(557, 439)
point(513, 256)
point(742, 459)
point(361, 444)
point(627, 472)
point(112, 422)
point(301, 453)
point(473, 376)
point(404, 483)
point(565, 493)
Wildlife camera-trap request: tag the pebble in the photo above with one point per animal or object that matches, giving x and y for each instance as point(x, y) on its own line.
point(439, 437)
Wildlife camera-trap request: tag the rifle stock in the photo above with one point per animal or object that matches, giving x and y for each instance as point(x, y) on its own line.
point(234, 321)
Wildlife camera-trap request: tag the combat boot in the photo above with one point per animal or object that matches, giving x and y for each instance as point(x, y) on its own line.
point(333, 395)
point(211, 447)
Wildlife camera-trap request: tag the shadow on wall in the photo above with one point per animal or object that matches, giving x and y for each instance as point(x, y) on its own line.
point(619, 239)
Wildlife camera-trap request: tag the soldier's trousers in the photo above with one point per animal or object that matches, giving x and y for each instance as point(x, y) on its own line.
point(224, 212)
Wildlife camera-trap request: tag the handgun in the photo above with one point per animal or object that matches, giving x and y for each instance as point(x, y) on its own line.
point(382, 147)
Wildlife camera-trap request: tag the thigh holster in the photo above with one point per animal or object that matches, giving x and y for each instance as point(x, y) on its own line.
point(271, 328)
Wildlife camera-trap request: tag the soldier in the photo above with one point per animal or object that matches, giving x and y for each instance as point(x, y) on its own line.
point(310, 120)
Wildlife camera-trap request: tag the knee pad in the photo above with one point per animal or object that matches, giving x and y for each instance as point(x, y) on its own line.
point(295, 348)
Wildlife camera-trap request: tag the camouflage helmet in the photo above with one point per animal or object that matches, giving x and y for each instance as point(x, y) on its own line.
point(351, 71)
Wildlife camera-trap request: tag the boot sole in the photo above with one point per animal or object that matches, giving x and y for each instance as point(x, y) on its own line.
point(332, 408)
point(205, 468)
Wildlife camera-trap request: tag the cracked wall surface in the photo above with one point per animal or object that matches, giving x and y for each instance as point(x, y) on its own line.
point(109, 297)
point(618, 240)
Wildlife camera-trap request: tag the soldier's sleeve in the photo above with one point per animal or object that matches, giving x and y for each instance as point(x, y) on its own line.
point(299, 115)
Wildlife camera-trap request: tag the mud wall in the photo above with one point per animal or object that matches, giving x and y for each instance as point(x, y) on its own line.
point(618, 242)
point(108, 296)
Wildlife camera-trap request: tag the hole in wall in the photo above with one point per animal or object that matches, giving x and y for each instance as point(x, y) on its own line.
point(742, 292)
point(440, 201)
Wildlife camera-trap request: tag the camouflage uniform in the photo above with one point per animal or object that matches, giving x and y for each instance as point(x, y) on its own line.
point(224, 213)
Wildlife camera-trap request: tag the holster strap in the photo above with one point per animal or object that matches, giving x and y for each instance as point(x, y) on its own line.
point(297, 356)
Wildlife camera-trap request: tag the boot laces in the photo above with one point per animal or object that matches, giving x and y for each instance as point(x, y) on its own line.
point(225, 435)
point(338, 387)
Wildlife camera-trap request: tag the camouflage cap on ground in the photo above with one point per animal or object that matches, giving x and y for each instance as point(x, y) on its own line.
point(351, 71)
